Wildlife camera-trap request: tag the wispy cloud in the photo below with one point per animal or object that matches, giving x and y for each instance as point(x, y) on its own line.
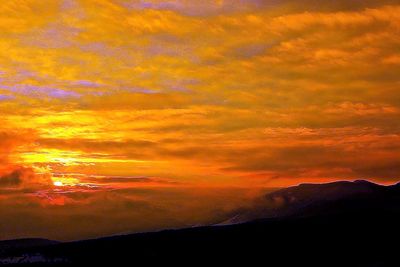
point(210, 92)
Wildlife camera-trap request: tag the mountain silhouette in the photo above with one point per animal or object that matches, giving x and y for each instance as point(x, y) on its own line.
point(335, 224)
point(317, 199)
point(10, 245)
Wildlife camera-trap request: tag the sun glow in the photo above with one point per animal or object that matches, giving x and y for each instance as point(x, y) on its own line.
point(65, 181)
point(58, 183)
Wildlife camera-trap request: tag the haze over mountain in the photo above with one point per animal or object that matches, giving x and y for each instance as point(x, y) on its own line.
point(335, 224)
point(120, 117)
point(309, 199)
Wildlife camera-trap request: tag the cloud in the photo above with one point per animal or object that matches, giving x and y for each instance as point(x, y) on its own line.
point(182, 88)
point(25, 179)
point(13, 173)
point(11, 179)
point(10, 140)
point(150, 112)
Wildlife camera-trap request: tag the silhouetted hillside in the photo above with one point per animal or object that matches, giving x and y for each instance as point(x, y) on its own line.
point(337, 224)
point(10, 245)
point(315, 199)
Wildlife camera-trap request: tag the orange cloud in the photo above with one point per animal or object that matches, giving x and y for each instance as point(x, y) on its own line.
point(152, 111)
point(119, 88)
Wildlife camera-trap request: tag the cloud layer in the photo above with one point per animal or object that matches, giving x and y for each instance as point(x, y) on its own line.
point(230, 90)
point(117, 94)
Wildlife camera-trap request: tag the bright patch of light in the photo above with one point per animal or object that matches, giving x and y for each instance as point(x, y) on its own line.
point(58, 183)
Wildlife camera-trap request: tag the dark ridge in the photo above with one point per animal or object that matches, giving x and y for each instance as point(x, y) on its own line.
point(337, 224)
point(308, 199)
point(7, 246)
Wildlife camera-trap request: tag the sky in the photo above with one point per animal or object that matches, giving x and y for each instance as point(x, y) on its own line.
point(130, 115)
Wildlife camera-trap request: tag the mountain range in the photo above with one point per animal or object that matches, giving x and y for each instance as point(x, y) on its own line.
point(334, 224)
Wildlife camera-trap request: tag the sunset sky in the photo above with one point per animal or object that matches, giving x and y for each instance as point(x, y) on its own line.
point(122, 112)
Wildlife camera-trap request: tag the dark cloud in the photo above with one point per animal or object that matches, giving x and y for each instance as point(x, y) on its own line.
point(25, 179)
point(11, 179)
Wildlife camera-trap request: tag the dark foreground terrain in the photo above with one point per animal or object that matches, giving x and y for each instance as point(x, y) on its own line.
point(337, 224)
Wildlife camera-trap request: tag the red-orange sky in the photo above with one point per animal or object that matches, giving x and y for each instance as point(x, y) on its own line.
point(148, 114)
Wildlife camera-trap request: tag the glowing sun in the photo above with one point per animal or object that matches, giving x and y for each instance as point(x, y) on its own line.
point(58, 183)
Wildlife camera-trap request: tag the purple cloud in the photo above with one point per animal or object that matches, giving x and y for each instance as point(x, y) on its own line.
point(197, 8)
point(5, 97)
point(39, 91)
